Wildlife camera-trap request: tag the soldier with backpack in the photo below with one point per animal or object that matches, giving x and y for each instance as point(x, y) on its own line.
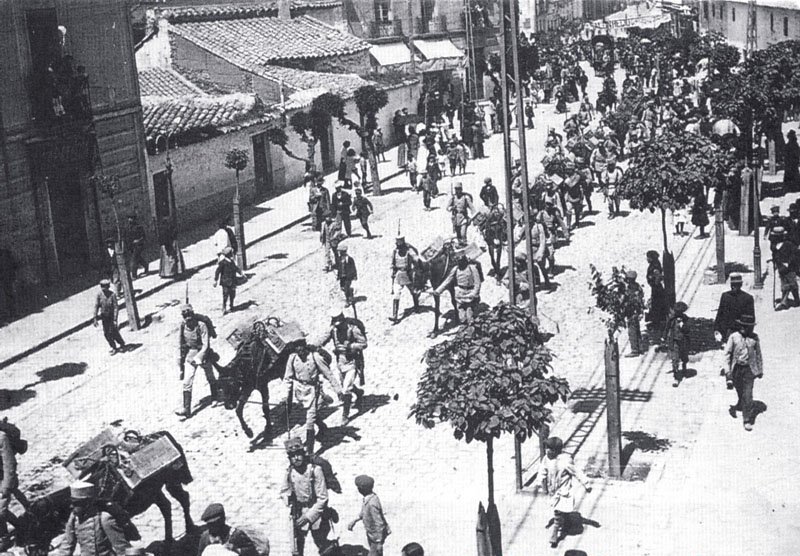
point(466, 278)
point(195, 349)
point(97, 531)
point(305, 492)
point(349, 343)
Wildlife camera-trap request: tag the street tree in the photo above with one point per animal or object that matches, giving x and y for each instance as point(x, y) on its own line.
point(492, 377)
point(310, 126)
point(369, 100)
point(237, 159)
point(108, 186)
point(623, 306)
point(668, 174)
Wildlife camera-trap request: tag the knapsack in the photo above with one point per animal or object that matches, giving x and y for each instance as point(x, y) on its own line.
point(331, 480)
point(212, 331)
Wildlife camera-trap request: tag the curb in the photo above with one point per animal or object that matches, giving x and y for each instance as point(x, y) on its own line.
point(144, 295)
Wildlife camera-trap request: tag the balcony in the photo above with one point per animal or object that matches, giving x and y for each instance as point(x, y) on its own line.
point(383, 29)
point(59, 93)
point(424, 26)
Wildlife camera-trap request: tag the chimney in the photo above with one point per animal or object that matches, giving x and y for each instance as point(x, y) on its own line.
point(284, 9)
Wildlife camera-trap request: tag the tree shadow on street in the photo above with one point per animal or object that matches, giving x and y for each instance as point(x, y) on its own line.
point(13, 398)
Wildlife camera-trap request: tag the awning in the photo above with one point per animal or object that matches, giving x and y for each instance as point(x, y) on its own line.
point(390, 54)
point(432, 49)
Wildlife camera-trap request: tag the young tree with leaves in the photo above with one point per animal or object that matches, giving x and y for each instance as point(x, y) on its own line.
point(622, 299)
point(369, 100)
point(310, 127)
point(492, 377)
point(237, 159)
point(668, 174)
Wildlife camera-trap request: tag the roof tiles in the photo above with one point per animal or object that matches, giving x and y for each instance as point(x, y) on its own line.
point(184, 14)
point(262, 40)
point(165, 83)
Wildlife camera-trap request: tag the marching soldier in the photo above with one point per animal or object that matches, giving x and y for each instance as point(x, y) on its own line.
point(460, 206)
point(195, 349)
point(404, 258)
point(362, 209)
point(611, 178)
point(305, 492)
point(303, 369)
point(466, 278)
point(98, 533)
point(349, 343)
point(427, 186)
point(330, 235)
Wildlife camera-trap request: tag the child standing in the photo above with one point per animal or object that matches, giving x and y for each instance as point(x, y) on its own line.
point(677, 336)
point(441, 158)
point(463, 155)
point(225, 276)
point(679, 217)
point(371, 515)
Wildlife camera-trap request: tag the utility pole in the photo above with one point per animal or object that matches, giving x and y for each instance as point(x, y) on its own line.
point(755, 155)
point(411, 36)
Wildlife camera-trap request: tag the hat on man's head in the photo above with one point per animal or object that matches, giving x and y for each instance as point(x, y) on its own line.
point(342, 248)
point(736, 278)
point(294, 445)
point(778, 231)
point(775, 208)
point(681, 307)
point(227, 251)
point(631, 275)
point(365, 481)
point(214, 512)
point(81, 490)
point(135, 551)
point(105, 283)
point(554, 443)
point(746, 320)
point(458, 185)
point(335, 312)
point(487, 180)
point(338, 185)
point(413, 549)
point(187, 309)
point(400, 238)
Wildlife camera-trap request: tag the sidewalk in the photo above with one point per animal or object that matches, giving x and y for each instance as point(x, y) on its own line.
point(696, 481)
point(55, 322)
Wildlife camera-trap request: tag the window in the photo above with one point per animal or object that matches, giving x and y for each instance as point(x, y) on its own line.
point(705, 10)
point(713, 10)
point(785, 26)
point(733, 14)
point(382, 11)
point(722, 12)
point(772, 22)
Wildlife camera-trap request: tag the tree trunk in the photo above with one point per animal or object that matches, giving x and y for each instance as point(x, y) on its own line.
point(238, 228)
point(668, 263)
point(613, 408)
point(490, 468)
point(373, 167)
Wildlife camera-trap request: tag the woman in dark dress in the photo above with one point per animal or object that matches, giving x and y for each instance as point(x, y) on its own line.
point(700, 214)
point(658, 295)
point(791, 160)
point(171, 264)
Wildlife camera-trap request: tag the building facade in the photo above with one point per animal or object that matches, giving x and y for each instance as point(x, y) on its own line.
point(776, 20)
point(69, 109)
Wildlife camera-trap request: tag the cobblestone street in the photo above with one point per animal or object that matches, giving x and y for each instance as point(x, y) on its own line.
point(685, 450)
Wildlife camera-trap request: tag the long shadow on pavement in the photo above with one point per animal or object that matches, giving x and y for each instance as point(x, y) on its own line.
point(14, 398)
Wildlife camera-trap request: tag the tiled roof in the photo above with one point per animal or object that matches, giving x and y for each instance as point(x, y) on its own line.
point(201, 114)
point(165, 83)
point(262, 40)
point(340, 83)
point(185, 14)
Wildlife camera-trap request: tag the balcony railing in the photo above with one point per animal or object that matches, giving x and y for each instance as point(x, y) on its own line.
point(436, 24)
point(379, 29)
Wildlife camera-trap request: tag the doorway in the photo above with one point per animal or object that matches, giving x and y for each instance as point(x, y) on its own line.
point(69, 221)
point(329, 163)
point(161, 194)
point(262, 165)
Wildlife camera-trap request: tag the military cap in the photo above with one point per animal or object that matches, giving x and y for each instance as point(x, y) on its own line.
point(458, 185)
point(227, 251)
point(214, 512)
point(105, 282)
point(365, 481)
point(342, 247)
point(400, 237)
point(81, 490)
point(135, 551)
point(294, 445)
point(187, 309)
point(554, 443)
point(335, 312)
point(631, 275)
point(775, 208)
point(487, 180)
point(736, 278)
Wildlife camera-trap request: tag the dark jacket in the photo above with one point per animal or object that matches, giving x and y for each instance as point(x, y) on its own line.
point(347, 268)
point(239, 541)
point(340, 203)
point(489, 195)
point(226, 272)
point(732, 305)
